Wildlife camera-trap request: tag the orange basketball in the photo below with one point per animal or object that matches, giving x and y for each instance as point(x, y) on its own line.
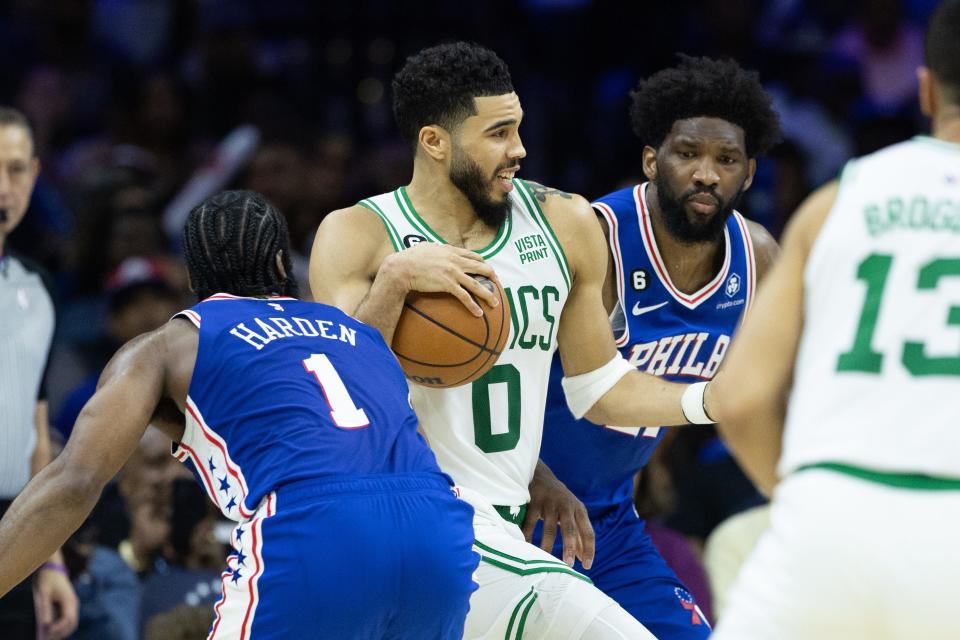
point(441, 344)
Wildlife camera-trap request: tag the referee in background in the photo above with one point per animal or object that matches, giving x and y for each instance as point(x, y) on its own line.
point(26, 330)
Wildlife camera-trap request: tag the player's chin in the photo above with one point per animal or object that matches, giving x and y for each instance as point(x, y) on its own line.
point(498, 193)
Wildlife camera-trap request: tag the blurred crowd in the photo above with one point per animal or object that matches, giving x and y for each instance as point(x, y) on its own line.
point(141, 108)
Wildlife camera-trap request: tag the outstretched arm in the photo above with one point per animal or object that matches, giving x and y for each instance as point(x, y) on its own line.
point(585, 338)
point(751, 391)
point(57, 604)
point(57, 500)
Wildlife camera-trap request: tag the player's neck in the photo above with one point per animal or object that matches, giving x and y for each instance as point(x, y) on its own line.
point(947, 125)
point(447, 211)
point(690, 265)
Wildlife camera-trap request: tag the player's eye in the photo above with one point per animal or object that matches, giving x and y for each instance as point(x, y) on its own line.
point(500, 133)
point(686, 154)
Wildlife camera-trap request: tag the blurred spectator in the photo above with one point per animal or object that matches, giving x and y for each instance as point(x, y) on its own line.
point(278, 170)
point(188, 570)
point(108, 590)
point(888, 50)
point(140, 298)
point(145, 485)
point(709, 486)
point(728, 546)
point(183, 622)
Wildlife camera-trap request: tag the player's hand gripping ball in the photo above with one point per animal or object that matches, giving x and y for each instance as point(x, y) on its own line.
point(441, 344)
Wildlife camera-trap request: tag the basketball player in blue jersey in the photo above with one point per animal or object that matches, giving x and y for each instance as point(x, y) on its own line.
point(294, 418)
point(683, 271)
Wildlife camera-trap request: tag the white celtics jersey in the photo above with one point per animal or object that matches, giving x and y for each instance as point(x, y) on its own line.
point(486, 434)
point(877, 378)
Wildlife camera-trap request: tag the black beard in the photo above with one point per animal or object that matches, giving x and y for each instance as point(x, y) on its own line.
point(465, 174)
point(675, 218)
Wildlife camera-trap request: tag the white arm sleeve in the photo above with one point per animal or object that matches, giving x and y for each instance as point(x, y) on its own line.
point(582, 391)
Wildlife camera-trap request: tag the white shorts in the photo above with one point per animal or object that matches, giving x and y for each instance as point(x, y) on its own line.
point(527, 593)
point(847, 558)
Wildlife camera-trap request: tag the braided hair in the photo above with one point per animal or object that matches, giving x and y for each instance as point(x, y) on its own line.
point(231, 241)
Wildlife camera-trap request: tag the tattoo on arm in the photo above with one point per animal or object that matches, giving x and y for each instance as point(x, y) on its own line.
point(541, 192)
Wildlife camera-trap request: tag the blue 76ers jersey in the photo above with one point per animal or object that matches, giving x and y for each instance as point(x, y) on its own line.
point(285, 390)
point(665, 332)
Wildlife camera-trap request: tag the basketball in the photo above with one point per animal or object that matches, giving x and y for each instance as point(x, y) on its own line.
point(440, 344)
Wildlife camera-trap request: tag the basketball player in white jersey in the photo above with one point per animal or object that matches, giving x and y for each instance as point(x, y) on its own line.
point(465, 212)
point(848, 371)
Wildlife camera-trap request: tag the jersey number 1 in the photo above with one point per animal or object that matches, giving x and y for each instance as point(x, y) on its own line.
point(343, 411)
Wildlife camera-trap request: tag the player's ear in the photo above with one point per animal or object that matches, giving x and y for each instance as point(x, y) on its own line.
point(434, 140)
point(650, 162)
point(751, 171)
point(927, 91)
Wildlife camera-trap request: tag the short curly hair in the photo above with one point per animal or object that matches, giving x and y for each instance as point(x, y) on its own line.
point(438, 85)
point(704, 87)
point(942, 46)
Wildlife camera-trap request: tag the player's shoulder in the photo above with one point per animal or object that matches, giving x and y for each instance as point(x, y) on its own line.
point(561, 208)
point(575, 224)
point(354, 235)
point(353, 218)
point(896, 152)
point(765, 247)
point(619, 199)
point(153, 351)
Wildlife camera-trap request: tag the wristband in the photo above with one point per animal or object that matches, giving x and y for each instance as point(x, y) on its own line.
point(691, 402)
point(55, 566)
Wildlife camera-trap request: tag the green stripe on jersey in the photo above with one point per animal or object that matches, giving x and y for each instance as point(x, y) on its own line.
point(529, 595)
point(504, 560)
point(523, 616)
point(418, 223)
point(415, 220)
point(391, 231)
point(536, 213)
point(915, 481)
point(534, 570)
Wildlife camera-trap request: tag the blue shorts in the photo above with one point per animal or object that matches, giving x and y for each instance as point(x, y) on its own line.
point(365, 557)
point(629, 568)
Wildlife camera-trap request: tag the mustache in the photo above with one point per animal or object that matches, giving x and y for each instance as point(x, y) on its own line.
point(505, 167)
point(687, 195)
